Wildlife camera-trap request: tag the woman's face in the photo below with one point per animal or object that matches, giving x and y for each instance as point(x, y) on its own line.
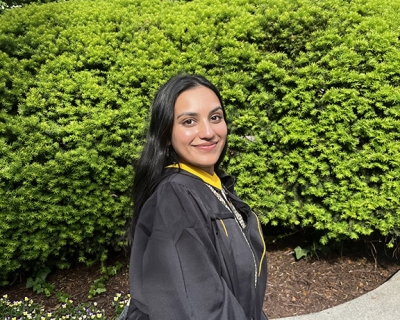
point(199, 129)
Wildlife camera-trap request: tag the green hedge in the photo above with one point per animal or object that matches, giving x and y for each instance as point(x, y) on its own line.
point(326, 116)
point(311, 87)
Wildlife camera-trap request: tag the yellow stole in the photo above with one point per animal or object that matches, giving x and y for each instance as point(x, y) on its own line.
point(212, 180)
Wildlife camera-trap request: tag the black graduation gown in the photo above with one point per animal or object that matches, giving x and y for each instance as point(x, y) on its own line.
point(191, 260)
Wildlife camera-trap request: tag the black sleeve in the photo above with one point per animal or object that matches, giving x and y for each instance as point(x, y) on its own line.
point(174, 272)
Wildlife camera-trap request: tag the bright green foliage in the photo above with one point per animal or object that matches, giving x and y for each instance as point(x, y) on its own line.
point(23, 2)
point(311, 90)
point(328, 116)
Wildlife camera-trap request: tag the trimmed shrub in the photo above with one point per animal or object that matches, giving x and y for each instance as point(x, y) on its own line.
point(311, 90)
point(325, 119)
point(79, 78)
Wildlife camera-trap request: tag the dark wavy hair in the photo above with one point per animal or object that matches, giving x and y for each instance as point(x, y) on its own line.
point(153, 160)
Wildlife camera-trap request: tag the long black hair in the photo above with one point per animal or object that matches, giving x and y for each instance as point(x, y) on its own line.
point(157, 152)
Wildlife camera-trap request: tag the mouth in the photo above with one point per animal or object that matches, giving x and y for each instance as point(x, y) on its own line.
point(206, 146)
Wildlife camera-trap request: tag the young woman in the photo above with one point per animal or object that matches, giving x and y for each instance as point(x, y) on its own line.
point(197, 251)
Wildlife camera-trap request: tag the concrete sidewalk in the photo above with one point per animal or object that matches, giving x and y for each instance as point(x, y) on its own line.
point(383, 303)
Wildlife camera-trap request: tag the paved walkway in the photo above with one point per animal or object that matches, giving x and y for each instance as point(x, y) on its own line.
point(383, 303)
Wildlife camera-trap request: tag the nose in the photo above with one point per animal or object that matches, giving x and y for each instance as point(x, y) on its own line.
point(206, 130)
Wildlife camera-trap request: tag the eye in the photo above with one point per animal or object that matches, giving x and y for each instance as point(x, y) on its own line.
point(188, 122)
point(216, 118)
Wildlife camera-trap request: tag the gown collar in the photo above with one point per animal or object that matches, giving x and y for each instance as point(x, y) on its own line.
point(212, 180)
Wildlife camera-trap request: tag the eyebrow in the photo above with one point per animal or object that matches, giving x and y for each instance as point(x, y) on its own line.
point(193, 114)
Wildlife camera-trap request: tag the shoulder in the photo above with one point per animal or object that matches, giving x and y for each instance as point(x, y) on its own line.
point(175, 204)
point(189, 180)
point(180, 177)
point(180, 181)
point(176, 188)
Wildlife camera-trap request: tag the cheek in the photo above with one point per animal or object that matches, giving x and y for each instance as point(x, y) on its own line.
point(183, 136)
point(223, 131)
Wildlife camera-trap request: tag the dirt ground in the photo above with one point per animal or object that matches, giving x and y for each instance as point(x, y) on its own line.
point(324, 279)
point(319, 281)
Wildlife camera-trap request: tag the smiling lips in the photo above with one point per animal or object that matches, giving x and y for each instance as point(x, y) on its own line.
point(206, 146)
